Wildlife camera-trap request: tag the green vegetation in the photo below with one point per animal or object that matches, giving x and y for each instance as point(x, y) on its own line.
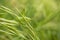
point(29, 19)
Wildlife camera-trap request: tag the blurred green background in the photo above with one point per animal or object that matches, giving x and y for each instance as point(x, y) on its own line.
point(29, 19)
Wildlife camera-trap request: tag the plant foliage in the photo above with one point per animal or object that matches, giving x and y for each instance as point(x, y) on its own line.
point(29, 19)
